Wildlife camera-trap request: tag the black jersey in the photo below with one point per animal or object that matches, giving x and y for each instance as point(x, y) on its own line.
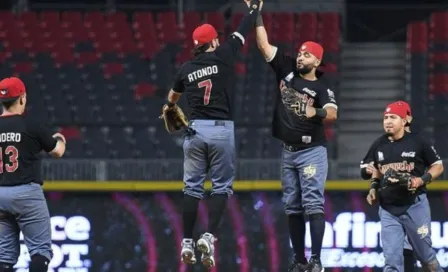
point(207, 82)
point(370, 156)
point(413, 154)
point(286, 125)
point(21, 141)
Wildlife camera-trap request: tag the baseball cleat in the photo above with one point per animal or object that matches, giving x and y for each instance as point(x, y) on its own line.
point(187, 253)
point(315, 265)
point(205, 245)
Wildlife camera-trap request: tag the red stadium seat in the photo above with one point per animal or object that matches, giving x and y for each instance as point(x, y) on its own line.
point(283, 27)
point(438, 83)
point(70, 132)
point(23, 67)
point(167, 26)
point(142, 90)
point(216, 19)
point(190, 21)
point(72, 18)
point(27, 19)
point(438, 25)
point(112, 69)
point(63, 56)
point(417, 37)
point(7, 20)
point(50, 18)
point(306, 28)
point(240, 68)
point(329, 31)
point(85, 58)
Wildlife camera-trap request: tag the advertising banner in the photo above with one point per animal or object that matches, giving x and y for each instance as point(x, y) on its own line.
point(141, 232)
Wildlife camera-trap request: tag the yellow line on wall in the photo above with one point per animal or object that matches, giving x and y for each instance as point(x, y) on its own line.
point(241, 185)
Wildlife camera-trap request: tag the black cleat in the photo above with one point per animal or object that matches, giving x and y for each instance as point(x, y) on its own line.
point(315, 265)
point(297, 267)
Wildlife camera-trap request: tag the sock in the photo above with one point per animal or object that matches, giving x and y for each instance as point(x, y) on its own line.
point(409, 260)
point(317, 229)
point(297, 234)
point(189, 214)
point(217, 206)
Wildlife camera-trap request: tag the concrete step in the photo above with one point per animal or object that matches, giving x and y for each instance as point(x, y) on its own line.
point(372, 63)
point(359, 116)
point(364, 104)
point(357, 74)
point(367, 126)
point(378, 84)
point(369, 93)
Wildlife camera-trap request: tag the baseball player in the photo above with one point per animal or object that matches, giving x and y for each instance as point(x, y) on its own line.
point(22, 203)
point(367, 169)
point(210, 146)
point(303, 102)
point(399, 182)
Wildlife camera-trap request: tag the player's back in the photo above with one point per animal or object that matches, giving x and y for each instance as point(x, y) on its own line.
point(208, 83)
point(20, 145)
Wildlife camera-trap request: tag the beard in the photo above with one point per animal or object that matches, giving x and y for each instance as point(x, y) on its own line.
point(305, 69)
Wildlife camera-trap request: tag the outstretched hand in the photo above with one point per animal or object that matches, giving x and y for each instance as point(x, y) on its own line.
point(248, 3)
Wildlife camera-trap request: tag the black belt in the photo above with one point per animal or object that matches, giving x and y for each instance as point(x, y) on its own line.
point(291, 148)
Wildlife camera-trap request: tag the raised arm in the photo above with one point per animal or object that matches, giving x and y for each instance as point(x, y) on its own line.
point(267, 50)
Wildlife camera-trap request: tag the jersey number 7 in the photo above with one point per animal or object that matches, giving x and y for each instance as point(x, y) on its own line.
point(13, 154)
point(207, 84)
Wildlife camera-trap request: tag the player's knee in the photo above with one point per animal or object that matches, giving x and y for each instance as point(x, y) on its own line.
point(6, 267)
point(314, 209)
point(316, 216)
point(39, 263)
point(194, 191)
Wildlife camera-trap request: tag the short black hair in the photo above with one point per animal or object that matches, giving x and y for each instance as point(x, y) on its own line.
point(200, 49)
point(8, 104)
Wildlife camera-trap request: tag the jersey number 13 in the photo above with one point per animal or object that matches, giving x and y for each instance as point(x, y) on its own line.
point(12, 152)
point(207, 84)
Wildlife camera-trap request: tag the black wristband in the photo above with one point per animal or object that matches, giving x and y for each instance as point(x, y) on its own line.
point(322, 113)
point(427, 178)
point(375, 183)
point(259, 21)
point(169, 104)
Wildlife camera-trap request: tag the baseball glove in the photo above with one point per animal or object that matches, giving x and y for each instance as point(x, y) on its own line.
point(174, 118)
point(395, 178)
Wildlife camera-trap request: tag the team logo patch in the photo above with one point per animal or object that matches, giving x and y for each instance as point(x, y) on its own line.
point(303, 47)
point(388, 110)
point(309, 171)
point(423, 231)
point(380, 156)
point(196, 42)
point(4, 92)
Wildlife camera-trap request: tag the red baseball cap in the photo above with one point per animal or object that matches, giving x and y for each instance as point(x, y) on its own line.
point(11, 88)
point(204, 34)
point(398, 108)
point(313, 48)
point(408, 108)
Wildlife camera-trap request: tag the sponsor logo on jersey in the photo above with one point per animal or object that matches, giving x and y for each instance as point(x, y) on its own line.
point(408, 154)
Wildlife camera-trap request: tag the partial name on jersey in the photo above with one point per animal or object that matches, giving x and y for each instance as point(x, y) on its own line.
point(10, 137)
point(206, 71)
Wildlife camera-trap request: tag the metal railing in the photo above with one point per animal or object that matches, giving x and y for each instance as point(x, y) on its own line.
point(172, 169)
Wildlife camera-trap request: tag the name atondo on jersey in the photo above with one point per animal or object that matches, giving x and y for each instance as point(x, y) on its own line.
point(10, 137)
point(207, 71)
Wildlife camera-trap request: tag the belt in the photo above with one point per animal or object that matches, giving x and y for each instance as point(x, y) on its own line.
point(219, 123)
point(291, 148)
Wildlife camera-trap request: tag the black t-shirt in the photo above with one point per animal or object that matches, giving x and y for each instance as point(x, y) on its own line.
point(207, 82)
point(286, 125)
point(412, 154)
point(21, 141)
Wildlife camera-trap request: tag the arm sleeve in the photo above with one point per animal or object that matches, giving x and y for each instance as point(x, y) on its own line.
point(178, 85)
point(430, 155)
point(328, 99)
point(230, 49)
point(282, 64)
point(44, 137)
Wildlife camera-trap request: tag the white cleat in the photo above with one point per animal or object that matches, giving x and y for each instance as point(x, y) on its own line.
point(205, 245)
point(187, 253)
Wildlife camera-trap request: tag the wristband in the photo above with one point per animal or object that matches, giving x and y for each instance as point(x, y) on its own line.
point(427, 178)
point(170, 105)
point(375, 183)
point(322, 113)
point(259, 21)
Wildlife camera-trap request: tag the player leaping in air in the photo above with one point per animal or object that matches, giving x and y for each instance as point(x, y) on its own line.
point(207, 83)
